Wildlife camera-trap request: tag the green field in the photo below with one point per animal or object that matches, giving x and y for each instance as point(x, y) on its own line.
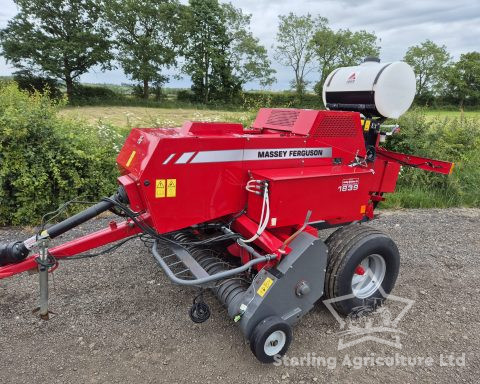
point(129, 117)
point(452, 114)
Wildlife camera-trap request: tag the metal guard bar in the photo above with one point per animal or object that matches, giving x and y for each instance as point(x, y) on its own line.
point(209, 279)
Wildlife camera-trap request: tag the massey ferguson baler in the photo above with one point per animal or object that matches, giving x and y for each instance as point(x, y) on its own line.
point(237, 210)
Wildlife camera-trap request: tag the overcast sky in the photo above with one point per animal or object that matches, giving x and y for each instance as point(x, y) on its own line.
point(398, 24)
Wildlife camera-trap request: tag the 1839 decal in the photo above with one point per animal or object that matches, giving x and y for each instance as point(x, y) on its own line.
point(349, 185)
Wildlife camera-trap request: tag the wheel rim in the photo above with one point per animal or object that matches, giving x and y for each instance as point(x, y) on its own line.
point(275, 343)
point(368, 276)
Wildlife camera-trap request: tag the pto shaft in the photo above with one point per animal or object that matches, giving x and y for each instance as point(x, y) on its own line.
point(80, 218)
point(12, 253)
point(17, 251)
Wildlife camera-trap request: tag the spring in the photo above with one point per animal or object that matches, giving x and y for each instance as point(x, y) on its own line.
point(210, 259)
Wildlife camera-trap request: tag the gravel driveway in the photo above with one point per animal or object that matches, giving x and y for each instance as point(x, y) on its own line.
point(118, 320)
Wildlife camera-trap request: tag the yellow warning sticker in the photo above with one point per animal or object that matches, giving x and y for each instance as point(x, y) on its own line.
point(171, 187)
point(367, 125)
point(267, 283)
point(160, 188)
point(130, 159)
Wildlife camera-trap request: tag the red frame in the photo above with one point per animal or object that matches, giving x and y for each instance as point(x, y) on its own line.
point(74, 247)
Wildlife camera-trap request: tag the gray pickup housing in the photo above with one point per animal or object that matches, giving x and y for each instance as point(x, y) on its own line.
point(298, 282)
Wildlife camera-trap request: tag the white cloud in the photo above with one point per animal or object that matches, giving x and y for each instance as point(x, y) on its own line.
point(398, 23)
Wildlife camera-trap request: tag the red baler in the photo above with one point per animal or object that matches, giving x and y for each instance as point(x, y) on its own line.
point(238, 211)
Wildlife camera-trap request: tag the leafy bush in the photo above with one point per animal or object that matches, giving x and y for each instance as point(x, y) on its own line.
point(260, 99)
point(31, 83)
point(46, 160)
point(185, 95)
point(92, 94)
point(281, 100)
point(451, 139)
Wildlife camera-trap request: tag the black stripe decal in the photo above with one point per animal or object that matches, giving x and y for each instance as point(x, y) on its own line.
point(379, 73)
point(331, 78)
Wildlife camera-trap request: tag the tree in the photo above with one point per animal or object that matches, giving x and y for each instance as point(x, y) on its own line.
point(429, 62)
point(294, 47)
point(147, 38)
point(207, 33)
point(59, 38)
point(221, 54)
point(341, 48)
point(248, 58)
point(463, 80)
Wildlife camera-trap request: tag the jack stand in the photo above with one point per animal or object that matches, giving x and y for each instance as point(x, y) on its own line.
point(43, 279)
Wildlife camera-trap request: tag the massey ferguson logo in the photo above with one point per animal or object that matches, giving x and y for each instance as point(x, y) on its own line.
point(352, 78)
point(229, 155)
point(290, 154)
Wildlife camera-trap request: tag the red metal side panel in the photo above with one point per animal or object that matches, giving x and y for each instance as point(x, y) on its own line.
point(389, 180)
point(386, 176)
point(138, 149)
point(208, 173)
point(276, 154)
point(198, 173)
point(330, 192)
point(341, 130)
point(192, 180)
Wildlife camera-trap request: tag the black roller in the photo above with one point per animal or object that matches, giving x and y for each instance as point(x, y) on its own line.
point(226, 290)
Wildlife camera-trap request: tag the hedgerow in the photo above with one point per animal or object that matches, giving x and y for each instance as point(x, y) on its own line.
point(46, 160)
point(451, 139)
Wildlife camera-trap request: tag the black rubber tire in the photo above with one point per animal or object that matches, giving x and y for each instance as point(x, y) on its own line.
point(347, 247)
point(260, 334)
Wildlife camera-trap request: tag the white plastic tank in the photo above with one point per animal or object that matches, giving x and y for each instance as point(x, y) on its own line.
point(372, 88)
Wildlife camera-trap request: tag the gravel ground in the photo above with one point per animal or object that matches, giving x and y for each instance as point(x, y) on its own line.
point(118, 320)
